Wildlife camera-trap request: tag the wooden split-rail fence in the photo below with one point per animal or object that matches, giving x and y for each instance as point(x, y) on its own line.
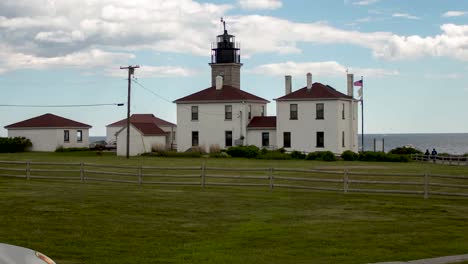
point(345, 181)
point(442, 159)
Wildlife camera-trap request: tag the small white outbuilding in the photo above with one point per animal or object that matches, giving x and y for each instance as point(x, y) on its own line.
point(49, 132)
point(143, 138)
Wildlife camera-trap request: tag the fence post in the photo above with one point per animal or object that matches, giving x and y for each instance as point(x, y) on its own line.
point(345, 181)
point(203, 172)
point(28, 169)
point(426, 185)
point(82, 175)
point(270, 177)
point(140, 175)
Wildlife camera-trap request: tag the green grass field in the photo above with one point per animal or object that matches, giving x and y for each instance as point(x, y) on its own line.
point(103, 223)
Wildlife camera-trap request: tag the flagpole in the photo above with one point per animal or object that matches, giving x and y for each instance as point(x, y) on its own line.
point(362, 114)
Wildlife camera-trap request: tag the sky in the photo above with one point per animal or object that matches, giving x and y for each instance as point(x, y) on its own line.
point(413, 56)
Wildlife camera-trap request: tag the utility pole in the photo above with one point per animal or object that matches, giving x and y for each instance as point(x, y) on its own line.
point(131, 71)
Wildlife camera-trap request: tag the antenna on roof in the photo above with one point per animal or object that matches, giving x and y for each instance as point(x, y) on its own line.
point(224, 24)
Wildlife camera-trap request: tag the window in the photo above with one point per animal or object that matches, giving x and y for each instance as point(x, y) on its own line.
point(320, 140)
point(287, 139)
point(194, 138)
point(228, 137)
point(265, 139)
point(194, 113)
point(79, 136)
point(263, 110)
point(319, 111)
point(228, 112)
point(342, 139)
point(250, 112)
point(342, 112)
point(293, 111)
point(66, 136)
point(173, 135)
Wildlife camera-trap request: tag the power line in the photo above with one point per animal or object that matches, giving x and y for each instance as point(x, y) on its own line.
point(169, 101)
point(81, 105)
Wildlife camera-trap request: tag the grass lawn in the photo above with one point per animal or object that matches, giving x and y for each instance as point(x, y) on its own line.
point(104, 223)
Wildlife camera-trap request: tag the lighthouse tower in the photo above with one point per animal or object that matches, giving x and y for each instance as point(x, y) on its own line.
point(225, 59)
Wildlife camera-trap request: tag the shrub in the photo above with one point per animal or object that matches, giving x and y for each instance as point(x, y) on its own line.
point(274, 155)
point(62, 149)
point(298, 155)
point(405, 151)
point(243, 151)
point(349, 155)
point(219, 155)
point(382, 156)
point(172, 154)
point(15, 144)
point(214, 148)
point(321, 155)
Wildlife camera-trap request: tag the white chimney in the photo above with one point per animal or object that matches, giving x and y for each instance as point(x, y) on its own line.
point(309, 81)
point(219, 82)
point(288, 84)
point(350, 84)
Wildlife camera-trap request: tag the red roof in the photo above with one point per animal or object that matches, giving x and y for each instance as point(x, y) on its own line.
point(48, 121)
point(142, 118)
point(149, 129)
point(227, 93)
point(262, 122)
point(318, 91)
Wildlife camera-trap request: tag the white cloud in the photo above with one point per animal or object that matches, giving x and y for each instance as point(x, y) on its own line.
point(365, 2)
point(260, 4)
point(405, 15)
point(454, 13)
point(325, 68)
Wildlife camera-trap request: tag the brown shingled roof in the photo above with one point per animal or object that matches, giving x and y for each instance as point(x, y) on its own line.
point(149, 129)
point(48, 121)
point(142, 118)
point(227, 93)
point(318, 91)
point(262, 122)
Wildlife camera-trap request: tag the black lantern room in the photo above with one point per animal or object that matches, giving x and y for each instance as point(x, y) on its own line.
point(226, 50)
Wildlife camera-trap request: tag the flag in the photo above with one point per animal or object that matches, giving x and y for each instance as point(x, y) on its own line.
point(359, 91)
point(358, 83)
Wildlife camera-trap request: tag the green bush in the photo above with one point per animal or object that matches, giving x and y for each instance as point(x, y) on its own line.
point(219, 155)
point(382, 157)
point(321, 155)
point(15, 144)
point(243, 151)
point(298, 155)
point(405, 151)
point(274, 155)
point(62, 149)
point(349, 155)
point(172, 154)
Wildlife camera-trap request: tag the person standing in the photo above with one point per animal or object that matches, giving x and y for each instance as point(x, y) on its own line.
point(434, 154)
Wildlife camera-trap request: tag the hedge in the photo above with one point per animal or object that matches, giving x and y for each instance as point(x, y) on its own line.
point(15, 144)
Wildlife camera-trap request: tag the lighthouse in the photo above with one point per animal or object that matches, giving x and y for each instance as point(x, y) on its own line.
point(225, 59)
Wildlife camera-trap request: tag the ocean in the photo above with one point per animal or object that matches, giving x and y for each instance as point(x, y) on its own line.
point(443, 143)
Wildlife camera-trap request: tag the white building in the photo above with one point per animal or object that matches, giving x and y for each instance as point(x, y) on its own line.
point(218, 115)
point(49, 132)
point(165, 126)
point(317, 118)
point(143, 138)
point(314, 118)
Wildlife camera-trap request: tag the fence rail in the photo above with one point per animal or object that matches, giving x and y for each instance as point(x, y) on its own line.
point(442, 159)
point(336, 181)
